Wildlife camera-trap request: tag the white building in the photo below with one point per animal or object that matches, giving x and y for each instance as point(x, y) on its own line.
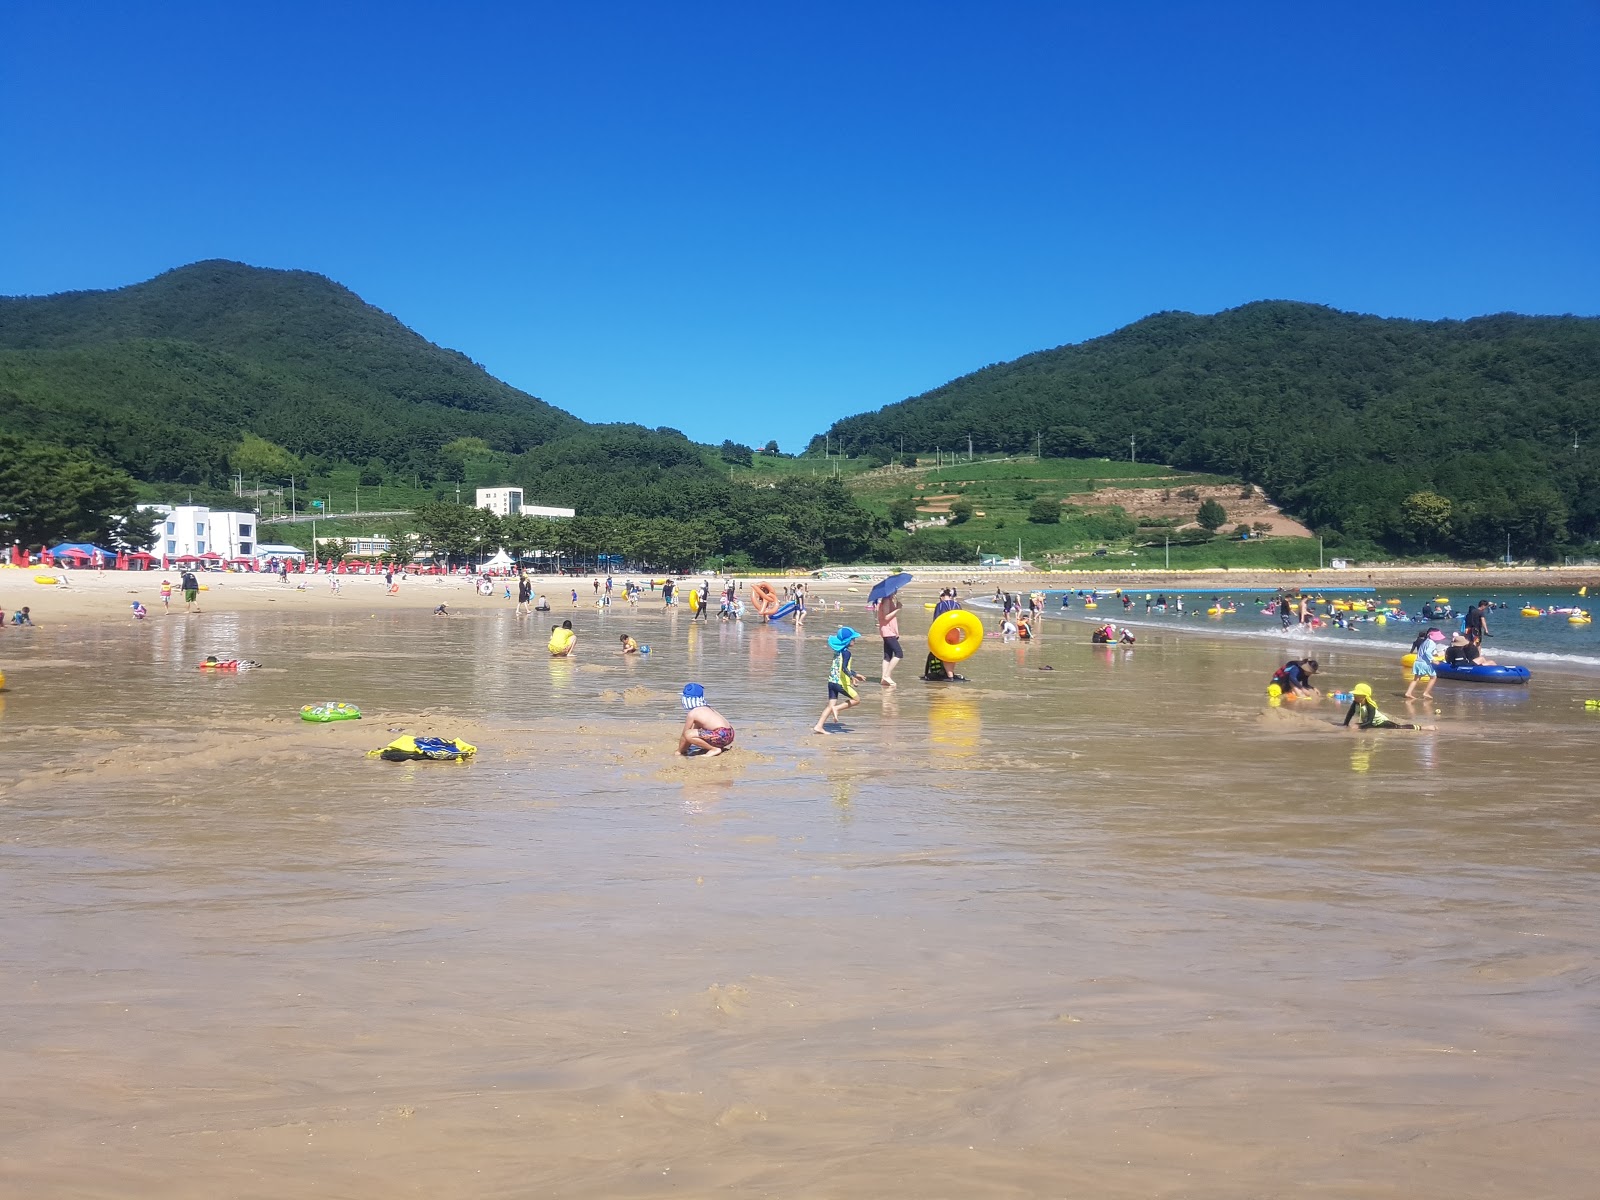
point(367, 547)
point(193, 529)
point(502, 501)
point(265, 552)
point(505, 501)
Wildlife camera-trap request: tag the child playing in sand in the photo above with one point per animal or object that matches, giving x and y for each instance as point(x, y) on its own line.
point(629, 646)
point(166, 595)
point(138, 611)
point(841, 679)
point(705, 730)
point(1366, 714)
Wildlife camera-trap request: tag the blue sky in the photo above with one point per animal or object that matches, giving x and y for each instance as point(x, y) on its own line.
point(747, 220)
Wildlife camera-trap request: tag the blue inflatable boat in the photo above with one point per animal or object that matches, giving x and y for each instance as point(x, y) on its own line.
point(1473, 674)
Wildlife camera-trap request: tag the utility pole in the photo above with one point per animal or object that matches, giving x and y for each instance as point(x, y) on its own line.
point(293, 510)
point(1038, 446)
point(969, 447)
point(1169, 551)
point(1132, 449)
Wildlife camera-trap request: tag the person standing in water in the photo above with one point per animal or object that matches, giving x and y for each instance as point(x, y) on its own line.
point(841, 679)
point(1422, 665)
point(705, 730)
point(889, 630)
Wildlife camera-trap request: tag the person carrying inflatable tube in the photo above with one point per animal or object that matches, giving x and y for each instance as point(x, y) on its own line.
point(563, 641)
point(1366, 714)
point(705, 730)
point(841, 679)
point(765, 597)
point(955, 636)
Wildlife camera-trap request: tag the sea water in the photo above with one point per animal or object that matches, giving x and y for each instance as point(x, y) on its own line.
point(1533, 641)
point(1114, 929)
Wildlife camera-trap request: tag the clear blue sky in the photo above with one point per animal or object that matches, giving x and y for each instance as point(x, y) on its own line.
point(747, 220)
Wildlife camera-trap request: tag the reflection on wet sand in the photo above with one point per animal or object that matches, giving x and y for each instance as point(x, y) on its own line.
point(1117, 929)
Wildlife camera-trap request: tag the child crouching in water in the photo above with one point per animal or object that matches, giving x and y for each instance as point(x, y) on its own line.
point(705, 730)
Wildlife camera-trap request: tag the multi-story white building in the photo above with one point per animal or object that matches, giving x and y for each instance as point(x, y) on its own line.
point(501, 501)
point(193, 529)
point(504, 501)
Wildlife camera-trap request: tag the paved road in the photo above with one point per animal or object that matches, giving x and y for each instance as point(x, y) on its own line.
point(322, 516)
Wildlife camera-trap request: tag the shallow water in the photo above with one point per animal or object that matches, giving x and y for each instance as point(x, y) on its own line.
point(1115, 929)
point(1544, 641)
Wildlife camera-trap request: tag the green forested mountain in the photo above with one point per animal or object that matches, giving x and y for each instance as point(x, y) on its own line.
point(217, 367)
point(1413, 435)
point(163, 378)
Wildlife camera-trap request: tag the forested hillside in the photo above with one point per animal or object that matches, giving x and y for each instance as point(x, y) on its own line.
point(218, 368)
point(163, 378)
point(1411, 435)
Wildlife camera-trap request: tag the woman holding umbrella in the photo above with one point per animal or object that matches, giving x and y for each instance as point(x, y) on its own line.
point(888, 601)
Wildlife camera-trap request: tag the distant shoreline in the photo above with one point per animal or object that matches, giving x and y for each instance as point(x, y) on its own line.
point(108, 595)
point(1545, 578)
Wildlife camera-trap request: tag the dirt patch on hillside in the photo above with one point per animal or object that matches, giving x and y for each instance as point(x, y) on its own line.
point(1167, 503)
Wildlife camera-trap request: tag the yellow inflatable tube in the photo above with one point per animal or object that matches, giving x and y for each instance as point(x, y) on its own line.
point(955, 636)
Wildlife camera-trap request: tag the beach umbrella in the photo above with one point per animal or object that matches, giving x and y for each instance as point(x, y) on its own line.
point(888, 587)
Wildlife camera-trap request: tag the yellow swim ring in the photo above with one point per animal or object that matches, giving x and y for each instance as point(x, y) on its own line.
point(1441, 599)
point(1090, 604)
point(1408, 661)
point(954, 636)
point(1575, 619)
point(1530, 611)
point(47, 579)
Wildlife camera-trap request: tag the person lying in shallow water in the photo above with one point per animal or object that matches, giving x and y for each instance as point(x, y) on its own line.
point(1366, 713)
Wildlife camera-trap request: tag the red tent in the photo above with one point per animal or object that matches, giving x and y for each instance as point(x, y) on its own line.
point(19, 556)
point(136, 560)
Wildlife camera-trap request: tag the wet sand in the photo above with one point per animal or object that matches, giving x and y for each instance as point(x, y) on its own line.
point(1118, 929)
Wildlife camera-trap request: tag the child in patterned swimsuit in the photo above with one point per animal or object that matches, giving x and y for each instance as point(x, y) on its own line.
point(705, 730)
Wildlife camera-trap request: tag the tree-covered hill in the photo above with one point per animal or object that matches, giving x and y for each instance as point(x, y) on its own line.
point(218, 368)
point(1415, 435)
point(163, 378)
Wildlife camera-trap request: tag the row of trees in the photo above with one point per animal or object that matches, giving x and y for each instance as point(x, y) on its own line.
point(51, 494)
point(800, 522)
